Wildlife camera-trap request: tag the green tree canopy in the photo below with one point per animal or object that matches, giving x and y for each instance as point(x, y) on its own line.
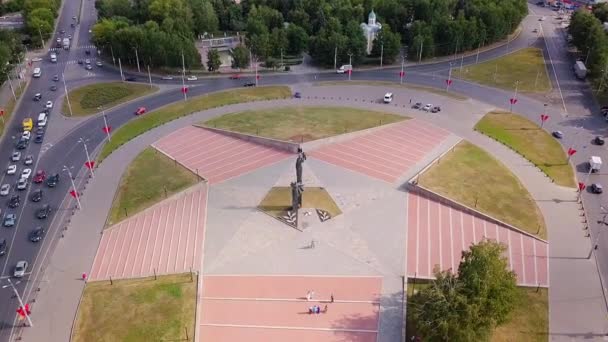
point(213, 60)
point(240, 57)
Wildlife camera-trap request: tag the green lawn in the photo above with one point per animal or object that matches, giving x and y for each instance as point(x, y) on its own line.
point(526, 66)
point(527, 139)
point(278, 200)
point(87, 99)
point(529, 321)
point(194, 104)
point(150, 177)
point(405, 85)
point(10, 106)
point(137, 310)
point(301, 124)
point(473, 177)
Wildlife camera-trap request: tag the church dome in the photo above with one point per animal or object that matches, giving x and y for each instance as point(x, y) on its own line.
point(372, 15)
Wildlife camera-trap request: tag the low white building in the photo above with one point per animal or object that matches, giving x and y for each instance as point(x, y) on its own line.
point(370, 30)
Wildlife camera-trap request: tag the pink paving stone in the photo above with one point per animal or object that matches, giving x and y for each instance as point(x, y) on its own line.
point(234, 334)
point(244, 165)
point(144, 242)
point(406, 154)
point(446, 241)
point(411, 138)
point(135, 240)
point(330, 157)
point(424, 252)
point(434, 235)
point(457, 236)
point(290, 314)
point(412, 232)
point(98, 261)
point(529, 260)
point(468, 230)
point(542, 263)
point(479, 229)
point(152, 260)
point(293, 287)
point(373, 155)
point(516, 254)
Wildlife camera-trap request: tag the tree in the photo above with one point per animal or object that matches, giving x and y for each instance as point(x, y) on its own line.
point(469, 305)
point(278, 42)
point(388, 43)
point(357, 42)
point(111, 8)
point(204, 17)
point(240, 57)
point(297, 39)
point(600, 11)
point(213, 60)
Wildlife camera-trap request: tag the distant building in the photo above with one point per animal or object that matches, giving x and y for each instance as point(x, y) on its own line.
point(370, 30)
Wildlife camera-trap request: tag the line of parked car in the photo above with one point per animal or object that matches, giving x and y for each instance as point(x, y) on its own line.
point(427, 107)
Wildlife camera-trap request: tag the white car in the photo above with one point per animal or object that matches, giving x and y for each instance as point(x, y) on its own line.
point(12, 169)
point(541, 19)
point(16, 156)
point(49, 104)
point(20, 269)
point(192, 78)
point(26, 135)
point(29, 160)
point(427, 107)
point(22, 184)
point(388, 97)
point(26, 173)
point(5, 189)
point(168, 77)
point(36, 59)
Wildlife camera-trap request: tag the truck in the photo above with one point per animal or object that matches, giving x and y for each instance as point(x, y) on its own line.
point(595, 164)
point(344, 69)
point(66, 43)
point(53, 57)
point(580, 70)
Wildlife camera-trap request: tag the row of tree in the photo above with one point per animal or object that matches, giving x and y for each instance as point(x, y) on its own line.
point(11, 6)
point(40, 18)
point(589, 37)
point(10, 50)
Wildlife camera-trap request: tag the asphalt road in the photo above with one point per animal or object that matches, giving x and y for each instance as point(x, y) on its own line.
point(69, 152)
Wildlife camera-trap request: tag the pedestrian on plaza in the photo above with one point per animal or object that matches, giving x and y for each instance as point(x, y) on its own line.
point(308, 296)
point(318, 309)
point(312, 243)
point(312, 294)
point(331, 298)
point(325, 310)
point(410, 101)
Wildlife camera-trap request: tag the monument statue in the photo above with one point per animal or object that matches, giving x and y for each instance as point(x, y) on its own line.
point(299, 162)
point(296, 196)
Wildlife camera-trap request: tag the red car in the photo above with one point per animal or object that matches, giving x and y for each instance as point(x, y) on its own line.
point(40, 176)
point(235, 77)
point(140, 111)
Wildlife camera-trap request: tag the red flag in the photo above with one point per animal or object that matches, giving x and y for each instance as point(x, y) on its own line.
point(107, 129)
point(581, 186)
point(257, 77)
point(544, 117)
point(1, 112)
point(401, 73)
point(448, 82)
point(21, 312)
point(571, 152)
point(27, 309)
point(74, 193)
point(513, 100)
point(350, 71)
point(90, 164)
point(184, 90)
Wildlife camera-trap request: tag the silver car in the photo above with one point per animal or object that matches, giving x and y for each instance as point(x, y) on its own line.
point(16, 156)
point(20, 269)
point(5, 189)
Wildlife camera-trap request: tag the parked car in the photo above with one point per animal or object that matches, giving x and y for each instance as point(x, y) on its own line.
point(49, 104)
point(5, 189)
point(297, 95)
point(427, 107)
point(52, 181)
point(99, 63)
point(87, 52)
point(21, 144)
point(80, 61)
point(3, 247)
point(597, 188)
point(14, 202)
point(36, 196)
point(11, 170)
point(39, 177)
point(22, 184)
point(16, 156)
point(249, 84)
point(39, 138)
point(43, 212)
point(130, 79)
point(37, 97)
point(9, 220)
point(26, 173)
point(20, 269)
point(87, 61)
point(417, 105)
point(140, 111)
point(558, 134)
point(56, 78)
point(29, 160)
point(599, 140)
point(37, 234)
point(53, 88)
point(167, 77)
point(436, 109)
point(192, 78)
point(88, 67)
point(235, 77)
point(26, 135)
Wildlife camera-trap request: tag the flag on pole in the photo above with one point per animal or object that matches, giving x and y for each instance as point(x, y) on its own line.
point(106, 129)
point(90, 164)
point(74, 193)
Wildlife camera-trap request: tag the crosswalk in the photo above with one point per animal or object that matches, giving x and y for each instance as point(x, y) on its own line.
point(82, 47)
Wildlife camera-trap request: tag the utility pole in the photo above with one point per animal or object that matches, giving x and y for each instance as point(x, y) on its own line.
point(381, 53)
point(67, 96)
point(149, 76)
point(350, 62)
point(65, 168)
point(11, 285)
point(105, 123)
point(255, 60)
point(10, 84)
point(137, 59)
point(447, 87)
point(335, 58)
point(420, 53)
point(183, 77)
point(281, 58)
point(112, 51)
point(41, 39)
point(86, 152)
point(477, 57)
point(461, 61)
point(122, 77)
point(402, 74)
point(512, 101)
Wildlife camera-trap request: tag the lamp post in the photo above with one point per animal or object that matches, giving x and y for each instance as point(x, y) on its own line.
point(183, 77)
point(350, 62)
point(67, 169)
point(86, 152)
point(67, 96)
point(402, 74)
point(381, 53)
point(137, 59)
point(11, 285)
point(105, 124)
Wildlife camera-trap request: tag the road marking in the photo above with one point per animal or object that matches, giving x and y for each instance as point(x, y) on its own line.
point(45, 148)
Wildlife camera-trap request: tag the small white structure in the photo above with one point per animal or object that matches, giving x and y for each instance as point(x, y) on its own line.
point(370, 30)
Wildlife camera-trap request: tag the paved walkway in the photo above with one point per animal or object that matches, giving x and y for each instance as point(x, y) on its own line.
point(568, 265)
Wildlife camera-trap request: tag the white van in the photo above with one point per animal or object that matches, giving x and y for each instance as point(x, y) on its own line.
point(388, 97)
point(344, 69)
point(42, 118)
point(37, 72)
point(54, 57)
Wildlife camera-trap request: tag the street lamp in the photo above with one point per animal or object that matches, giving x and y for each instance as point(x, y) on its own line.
point(86, 151)
point(594, 245)
point(350, 62)
point(67, 96)
point(11, 285)
point(67, 169)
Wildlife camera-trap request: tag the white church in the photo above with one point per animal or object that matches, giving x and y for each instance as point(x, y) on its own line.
point(370, 30)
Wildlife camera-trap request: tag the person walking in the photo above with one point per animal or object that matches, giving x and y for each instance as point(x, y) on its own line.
point(331, 298)
point(325, 309)
point(312, 294)
point(308, 296)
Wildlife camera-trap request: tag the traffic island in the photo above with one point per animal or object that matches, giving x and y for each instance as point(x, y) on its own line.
point(88, 99)
point(146, 309)
point(317, 205)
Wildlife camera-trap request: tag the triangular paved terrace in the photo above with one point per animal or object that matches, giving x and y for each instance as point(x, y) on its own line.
point(385, 153)
point(215, 156)
point(438, 233)
point(166, 238)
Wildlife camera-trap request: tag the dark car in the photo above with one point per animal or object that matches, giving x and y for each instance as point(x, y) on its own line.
point(43, 212)
point(436, 109)
point(417, 105)
point(37, 234)
point(80, 61)
point(599, 141)
point(250, 84)
point(130, 79)
point(37, 97)
point(597, 188)
point(558, 134)
point(52, 180)
point(53, 88)
point(36, 196)
point(14, 202)
point(56, 78)
point(87, 52)
point(297, 95)
point(38, 139)
point(3, 247)
point(21, 144)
